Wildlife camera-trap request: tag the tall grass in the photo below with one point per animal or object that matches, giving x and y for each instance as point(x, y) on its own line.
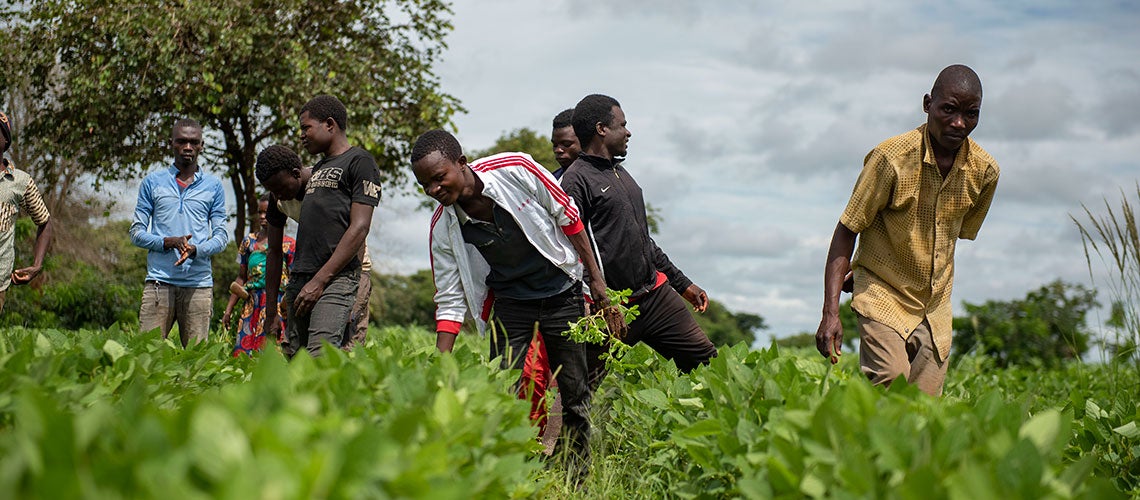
point(1114, 239)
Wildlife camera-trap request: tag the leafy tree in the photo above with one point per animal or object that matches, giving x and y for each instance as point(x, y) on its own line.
point(726, 328)
point(522, 140)
point(799, 340)
point(111, 77)
point(404, 300)
point(1047, 327)
point(847, 318)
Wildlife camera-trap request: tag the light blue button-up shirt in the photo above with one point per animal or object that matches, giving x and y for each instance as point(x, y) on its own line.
point(165, 209)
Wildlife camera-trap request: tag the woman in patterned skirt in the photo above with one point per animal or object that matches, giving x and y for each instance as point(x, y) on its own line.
point(251, 281)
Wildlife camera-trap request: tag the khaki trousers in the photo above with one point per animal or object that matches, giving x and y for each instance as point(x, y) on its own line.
point(884, 355)
point(163, 304)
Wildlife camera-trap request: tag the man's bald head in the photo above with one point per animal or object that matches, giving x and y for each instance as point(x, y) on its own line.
point(957, 77)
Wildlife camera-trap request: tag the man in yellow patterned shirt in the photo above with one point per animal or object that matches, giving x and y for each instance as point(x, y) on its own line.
point(918, 193)
point(18, 192)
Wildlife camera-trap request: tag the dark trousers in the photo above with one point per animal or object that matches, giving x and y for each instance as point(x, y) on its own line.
point(325, 322)
point(516, 320)
point(666, 325)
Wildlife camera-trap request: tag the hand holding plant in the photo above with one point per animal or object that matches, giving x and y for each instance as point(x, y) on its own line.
point(607, 326)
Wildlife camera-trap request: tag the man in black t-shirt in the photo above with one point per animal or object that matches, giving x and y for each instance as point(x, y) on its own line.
point(336, 213)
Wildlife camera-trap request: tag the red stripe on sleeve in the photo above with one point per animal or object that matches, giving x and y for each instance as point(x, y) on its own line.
point(555, 190)
point(447, 326)
point(573, 228)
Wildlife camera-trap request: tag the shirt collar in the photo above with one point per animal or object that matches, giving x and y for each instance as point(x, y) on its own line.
point(173, 169)
point(599, 162)
point(460, 214)
point(928, 151)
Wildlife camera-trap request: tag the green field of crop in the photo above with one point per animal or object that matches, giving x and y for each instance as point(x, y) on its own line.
point(114, 414)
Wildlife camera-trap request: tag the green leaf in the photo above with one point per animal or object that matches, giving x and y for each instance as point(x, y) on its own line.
point(691, 402)
point(1094, 411)
point(703, 428)
point(653, 397)
point(43, 345)
point(114, 350)
point(1043, 430)
point(217, 444)
point(1129, 430)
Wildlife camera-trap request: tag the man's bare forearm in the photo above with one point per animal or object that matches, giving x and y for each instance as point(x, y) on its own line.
point(838, 264)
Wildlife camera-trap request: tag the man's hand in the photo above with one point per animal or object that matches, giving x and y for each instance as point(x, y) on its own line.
point(176, 242)
point(187, 252)
point(615, 321)
point(598, 295)
point(308, 296)
point(829, 337)
point(182, 244)
point(271, 329)
point(697, 297)
point(445, 341)
point(25, 275)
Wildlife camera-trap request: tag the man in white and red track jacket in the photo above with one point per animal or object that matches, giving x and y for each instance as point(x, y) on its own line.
point(507, 237)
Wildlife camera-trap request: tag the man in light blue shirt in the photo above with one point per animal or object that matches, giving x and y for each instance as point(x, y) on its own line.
point(180, 219)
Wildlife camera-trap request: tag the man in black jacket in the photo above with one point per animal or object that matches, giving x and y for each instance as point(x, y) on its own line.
point(610, 200)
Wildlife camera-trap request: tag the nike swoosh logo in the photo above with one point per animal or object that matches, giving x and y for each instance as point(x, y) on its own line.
point(607, 188)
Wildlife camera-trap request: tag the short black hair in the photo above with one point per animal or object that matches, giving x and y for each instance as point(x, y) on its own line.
point(274, 159)
point(264, 198)
point(185, 122)
point(590, 111)
point(325, 106)
point(437, 140)
point(564, 119)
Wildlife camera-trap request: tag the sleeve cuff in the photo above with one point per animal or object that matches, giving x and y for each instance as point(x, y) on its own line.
point(574, 228)
point(851, 224)
point(448, 326)
point(681, 284)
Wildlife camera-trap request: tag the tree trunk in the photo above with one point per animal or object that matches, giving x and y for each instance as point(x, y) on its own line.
point(239, 195)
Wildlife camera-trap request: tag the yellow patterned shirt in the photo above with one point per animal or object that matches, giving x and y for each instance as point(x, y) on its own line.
point(908, 218)
point(17, 191)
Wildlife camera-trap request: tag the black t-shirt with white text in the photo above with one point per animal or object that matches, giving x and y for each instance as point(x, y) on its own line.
point(337, 182)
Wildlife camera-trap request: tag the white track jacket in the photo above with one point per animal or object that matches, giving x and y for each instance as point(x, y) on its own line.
point(544, 212)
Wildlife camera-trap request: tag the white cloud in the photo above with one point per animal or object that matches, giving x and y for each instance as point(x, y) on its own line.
point(1031, 111)
point(751, 121)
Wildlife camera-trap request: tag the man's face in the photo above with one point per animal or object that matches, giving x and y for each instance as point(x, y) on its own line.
point(566, 147)
point(440, 177)
point(285, 184)
point(316, 135)
point(617, 136)
point(187, 143)
point(952, 113)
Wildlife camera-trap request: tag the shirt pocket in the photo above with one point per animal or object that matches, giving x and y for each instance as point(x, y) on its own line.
point(957, 199)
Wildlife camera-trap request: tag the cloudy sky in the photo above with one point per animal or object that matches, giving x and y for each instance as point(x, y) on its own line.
point(750, 122)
